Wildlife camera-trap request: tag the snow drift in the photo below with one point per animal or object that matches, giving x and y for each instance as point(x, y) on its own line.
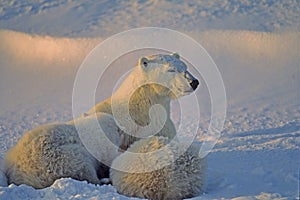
point(263, 61)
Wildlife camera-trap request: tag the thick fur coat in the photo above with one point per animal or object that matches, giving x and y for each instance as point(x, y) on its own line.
point(79, 149)
point(172, 173)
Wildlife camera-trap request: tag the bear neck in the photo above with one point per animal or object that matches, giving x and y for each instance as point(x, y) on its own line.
point(141, 100)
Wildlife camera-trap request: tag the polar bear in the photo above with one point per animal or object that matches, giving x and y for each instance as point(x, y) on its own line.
point(53, 151)
point(156, 80)
point(176, 172)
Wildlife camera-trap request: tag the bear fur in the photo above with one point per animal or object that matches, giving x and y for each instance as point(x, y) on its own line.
point(53, 151)
point(156, 80)
point(173, 173)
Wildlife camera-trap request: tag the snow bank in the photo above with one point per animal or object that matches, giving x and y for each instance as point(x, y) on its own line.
point(263, 61)
point(242, 46)
point(38, 51)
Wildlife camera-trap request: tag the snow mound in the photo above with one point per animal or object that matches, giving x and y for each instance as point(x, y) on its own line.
point(38, 50)
point(64, 188)
point(262, 196)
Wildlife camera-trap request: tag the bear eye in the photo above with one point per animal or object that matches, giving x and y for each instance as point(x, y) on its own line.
point(171, 70)
point(145, 63)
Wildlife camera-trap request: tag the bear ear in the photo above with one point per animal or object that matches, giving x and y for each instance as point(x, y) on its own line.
point(143, 62)
point(176, 55)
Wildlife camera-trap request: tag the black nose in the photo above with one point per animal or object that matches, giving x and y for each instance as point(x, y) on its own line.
point(194, 84)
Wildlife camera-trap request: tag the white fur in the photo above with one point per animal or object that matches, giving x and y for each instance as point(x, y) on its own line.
point(54, 151)
point(165, 77)
point(170, 174)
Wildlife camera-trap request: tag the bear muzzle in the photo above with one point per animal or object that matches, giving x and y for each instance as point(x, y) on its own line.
point(192, 80)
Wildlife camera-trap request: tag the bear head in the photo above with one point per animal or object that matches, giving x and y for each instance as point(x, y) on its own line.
point(169, 74)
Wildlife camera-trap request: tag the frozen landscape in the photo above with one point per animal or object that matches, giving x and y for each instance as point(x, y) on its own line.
point(255, 44)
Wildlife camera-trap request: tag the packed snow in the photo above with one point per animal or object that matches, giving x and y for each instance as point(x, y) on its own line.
point(255, 44)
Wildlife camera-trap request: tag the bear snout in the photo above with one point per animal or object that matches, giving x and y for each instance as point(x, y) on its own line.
point(194, 84)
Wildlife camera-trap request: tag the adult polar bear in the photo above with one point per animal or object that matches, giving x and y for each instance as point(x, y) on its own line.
point(155, 81)
point(54, 151)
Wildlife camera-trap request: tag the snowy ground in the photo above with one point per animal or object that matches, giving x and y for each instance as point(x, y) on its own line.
point(255, 44)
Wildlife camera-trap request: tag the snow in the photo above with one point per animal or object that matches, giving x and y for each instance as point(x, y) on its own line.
point(63, 189)
point(3, 179)
point(110, 17)
point(255, 44)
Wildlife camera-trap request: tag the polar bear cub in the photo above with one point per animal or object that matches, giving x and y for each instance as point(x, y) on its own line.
point(157, 169)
